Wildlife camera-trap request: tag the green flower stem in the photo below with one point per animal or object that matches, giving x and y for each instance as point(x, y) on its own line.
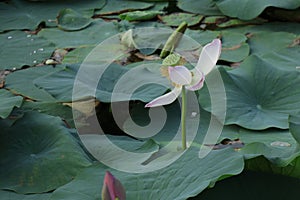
point(183, 120)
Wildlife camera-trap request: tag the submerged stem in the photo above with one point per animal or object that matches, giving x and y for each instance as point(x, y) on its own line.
point(183, 120)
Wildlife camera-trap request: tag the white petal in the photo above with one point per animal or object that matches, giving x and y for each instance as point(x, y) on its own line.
point(197, 80)
point(180, 75)
point(209, 56)
point(165, 99)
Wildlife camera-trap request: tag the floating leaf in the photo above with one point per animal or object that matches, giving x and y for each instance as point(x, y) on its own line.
point(250, 9)
point(258, 95)
point(234, 47)
point(175, 19)
point(117, 6)
point(265, 42)
point(38, 143)
point(146, 92)
point(204, 7)
point(193, 175)
point(98, 31)
point(20, 15)
point(21, 82)
point(9, 195)
point(8, 102)
point(19, 49)
point(70, 20)
point(139, 15)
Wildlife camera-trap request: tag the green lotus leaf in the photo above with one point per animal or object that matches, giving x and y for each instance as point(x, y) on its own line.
point(251, 9)
point(234, 47)
point(18, 15)
point(8, 102)
point(266, 42)
point(139, 15)
point(9, 195)
point(258, 95)
point(117, 6)
point(70, 20)
point(21, 82)
point(98, 31)
point(186, 177)
point(38, 154)
point(176, 19)
point(20, 48)
point(204, 7)
point(146, 92)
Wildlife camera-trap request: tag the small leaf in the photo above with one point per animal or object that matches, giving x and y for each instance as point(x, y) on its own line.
point(139, 15)
point(70, 20)
point(8, 102)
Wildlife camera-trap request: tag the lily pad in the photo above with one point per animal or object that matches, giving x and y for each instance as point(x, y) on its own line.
point(18, 15)
point(107, 82)
point(98, 31)
point(265, 42)
point(185, 178)
point(139, 15)
point(9, 195)
point(250, 9)
point(258, 95)
point(234, 47)
point(32, 49)
point(175, 19)
point(8, 102)
point(70, 20)
point(119, 6)
point(38, 143)
point(21, 82)
point(204, 7)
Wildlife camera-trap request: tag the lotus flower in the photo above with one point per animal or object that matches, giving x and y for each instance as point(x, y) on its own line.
point(112, 188)
point(191, 79)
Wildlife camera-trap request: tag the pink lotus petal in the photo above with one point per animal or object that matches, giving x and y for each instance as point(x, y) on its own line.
point(165, 99)
point(180, 75)
point(209, 56)
point(112, 188)
point(197, 80)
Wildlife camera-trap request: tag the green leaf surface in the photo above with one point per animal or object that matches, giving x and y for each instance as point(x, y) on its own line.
point(51, 108)
point(250, 9)
point(146, 92)
point(31, 151)
point(186, 177)
point(265, 42)
point(21, 82)
point(119, 6)
point(204, 7)
point(9, 195)
point(20, 48)
point(70, 20)
point(258, 95)
point(139, 15)
point(8, 102)
point(175, 19)
point(234, 47)
point(18, 14)
point(98, 31)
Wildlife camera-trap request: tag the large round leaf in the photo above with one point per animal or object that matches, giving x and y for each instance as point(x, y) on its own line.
point(249, 9)
point(21, 82)
point(19, 49)
point(187, 177)
point(70, 20)
point(8, 102)
point(204, 7)
point(18, 14)
point(38, 154)
point(258, 95)
point(98, 31)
